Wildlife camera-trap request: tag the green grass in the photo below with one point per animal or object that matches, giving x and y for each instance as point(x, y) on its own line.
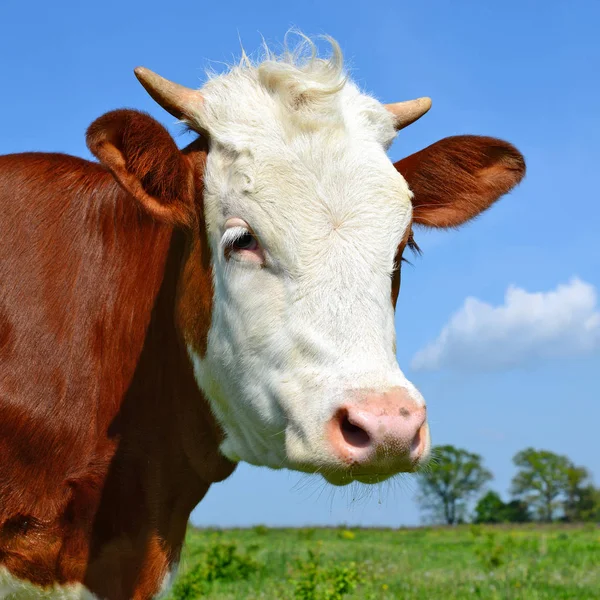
point(529, 562)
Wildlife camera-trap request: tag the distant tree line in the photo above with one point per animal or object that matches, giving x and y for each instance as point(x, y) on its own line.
point(547, 487)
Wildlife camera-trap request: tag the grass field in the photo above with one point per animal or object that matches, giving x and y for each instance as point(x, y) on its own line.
point(528, 562)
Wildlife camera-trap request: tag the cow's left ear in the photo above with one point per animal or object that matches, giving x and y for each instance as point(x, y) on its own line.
point(457, 178)
point(144, 159)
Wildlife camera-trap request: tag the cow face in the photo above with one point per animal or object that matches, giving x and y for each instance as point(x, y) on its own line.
point(304, 228)
point(286, 297)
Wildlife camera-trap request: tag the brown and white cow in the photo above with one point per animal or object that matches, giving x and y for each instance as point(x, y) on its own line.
point(167, 313)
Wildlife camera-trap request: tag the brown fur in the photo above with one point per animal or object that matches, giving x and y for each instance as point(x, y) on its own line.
point(106, 442)
point(397, 273)
point(144, 159)
point(459, 177)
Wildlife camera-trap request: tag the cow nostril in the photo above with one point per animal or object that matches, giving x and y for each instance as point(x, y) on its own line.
point(353, 434)
point(418, 443)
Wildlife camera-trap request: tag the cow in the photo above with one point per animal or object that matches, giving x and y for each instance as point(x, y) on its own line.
point(166, 313)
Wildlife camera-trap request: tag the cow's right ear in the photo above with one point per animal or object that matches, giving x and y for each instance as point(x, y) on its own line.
point(144, 159)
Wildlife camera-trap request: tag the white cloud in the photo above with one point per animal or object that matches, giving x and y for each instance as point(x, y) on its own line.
point(560, 323)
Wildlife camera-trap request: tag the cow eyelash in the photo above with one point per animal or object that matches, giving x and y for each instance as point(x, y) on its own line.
point(239, 239)
point(414, 247)
point(232, 235)
point(412, 244)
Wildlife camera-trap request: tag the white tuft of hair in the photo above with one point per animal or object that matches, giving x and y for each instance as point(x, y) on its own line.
point(299, 76)
point(282, 95)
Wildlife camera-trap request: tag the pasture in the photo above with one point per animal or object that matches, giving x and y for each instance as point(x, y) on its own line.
point(504, 562)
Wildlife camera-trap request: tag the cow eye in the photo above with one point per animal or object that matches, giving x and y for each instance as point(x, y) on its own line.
point(246, 241)
point(240, 243)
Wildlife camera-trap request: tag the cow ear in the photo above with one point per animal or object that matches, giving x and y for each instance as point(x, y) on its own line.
point(144, 159)
point(457, 178)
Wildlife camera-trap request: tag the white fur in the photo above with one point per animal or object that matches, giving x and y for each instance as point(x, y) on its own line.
point(299, 153)
point(167, 581)
point(12, 588)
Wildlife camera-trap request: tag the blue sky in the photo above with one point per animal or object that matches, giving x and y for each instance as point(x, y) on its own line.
point(523, 71)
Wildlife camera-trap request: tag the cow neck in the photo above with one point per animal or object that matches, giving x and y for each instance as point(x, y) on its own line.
point(78, 292)
point(166, 458)
point(131, 445)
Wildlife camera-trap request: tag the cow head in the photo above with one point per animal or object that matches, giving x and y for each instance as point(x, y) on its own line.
point(297, 222)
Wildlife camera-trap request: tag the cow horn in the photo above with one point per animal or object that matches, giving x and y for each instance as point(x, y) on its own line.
point(181, 102)
point(408, 112)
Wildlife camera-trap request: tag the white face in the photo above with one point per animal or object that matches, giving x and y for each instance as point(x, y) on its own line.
point(304, 218)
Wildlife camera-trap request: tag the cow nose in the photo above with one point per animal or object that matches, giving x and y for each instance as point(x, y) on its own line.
point(380, 427)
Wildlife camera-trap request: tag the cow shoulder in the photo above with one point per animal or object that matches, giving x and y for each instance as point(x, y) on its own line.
point(81, 269)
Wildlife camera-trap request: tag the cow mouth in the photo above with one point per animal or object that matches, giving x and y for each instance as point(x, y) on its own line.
point(372, 474)
point(341, 475)
point(342, 478)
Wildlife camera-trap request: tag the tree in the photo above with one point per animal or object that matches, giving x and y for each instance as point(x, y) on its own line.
point(491, 509)
point(452, 478)
point(577, 481)
point(541, 481)
point(517, 511)
point(588, 505)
